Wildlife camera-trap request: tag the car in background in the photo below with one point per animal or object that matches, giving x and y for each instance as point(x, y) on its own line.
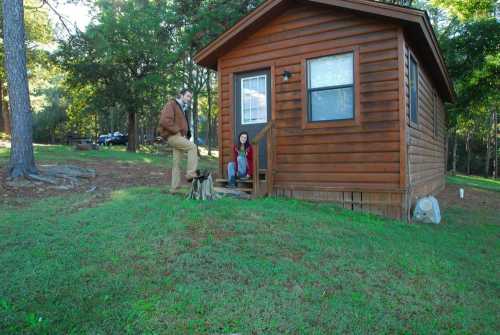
point(118, 138)
point(115, 138)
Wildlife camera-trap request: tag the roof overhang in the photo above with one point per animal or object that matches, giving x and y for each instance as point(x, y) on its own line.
point(416, 24)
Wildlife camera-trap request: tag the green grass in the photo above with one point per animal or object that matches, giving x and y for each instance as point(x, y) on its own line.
point(63, 153)
point(144, 262)
point(475, 181)
point(140, 261)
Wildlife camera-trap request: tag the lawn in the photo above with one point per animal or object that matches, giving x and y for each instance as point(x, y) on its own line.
point(62, 153)
point(140, 261)
point(476, 182)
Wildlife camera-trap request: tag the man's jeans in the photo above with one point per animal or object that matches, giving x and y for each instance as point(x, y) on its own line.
point(242, 169)
point(179, 146)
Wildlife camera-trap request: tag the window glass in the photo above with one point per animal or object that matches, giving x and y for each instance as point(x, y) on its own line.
point(329, 71)
point(334, 104)
point(330, 86)
point(254, 100)
point(413, 90)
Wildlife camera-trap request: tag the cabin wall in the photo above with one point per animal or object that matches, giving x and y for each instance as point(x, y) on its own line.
point(332, 161)
point(426, 150)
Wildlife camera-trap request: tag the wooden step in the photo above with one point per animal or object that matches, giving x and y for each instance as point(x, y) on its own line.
point(220, 182)
point(238, 181)
point(246, 190)
point(234, 192)
point(241, 185)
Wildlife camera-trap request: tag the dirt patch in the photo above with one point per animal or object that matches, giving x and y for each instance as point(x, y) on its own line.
point(110, 176)
point(475, 199)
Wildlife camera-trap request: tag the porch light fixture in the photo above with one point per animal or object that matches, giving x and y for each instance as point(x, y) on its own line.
point(286, 75)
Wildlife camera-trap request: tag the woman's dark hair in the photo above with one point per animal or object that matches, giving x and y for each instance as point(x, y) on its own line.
point(247, 143)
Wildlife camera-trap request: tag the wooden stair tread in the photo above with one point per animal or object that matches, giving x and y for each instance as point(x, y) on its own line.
point(238, 181)
point(238, 193)
point(243, 189)
point(222, 180)
point(236, 189)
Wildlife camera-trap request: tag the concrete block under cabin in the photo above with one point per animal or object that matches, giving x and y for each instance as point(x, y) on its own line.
point(344, 101)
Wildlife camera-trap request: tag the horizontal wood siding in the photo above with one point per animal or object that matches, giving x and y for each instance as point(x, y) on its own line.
point(365, 155)
point(426, 146)
point(382, 203)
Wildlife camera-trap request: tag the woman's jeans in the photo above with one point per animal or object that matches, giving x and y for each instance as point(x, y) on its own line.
point(242, 170)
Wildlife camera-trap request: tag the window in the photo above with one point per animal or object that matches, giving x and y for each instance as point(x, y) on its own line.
point(330, 88)
point(435, 114)
point(413, 90)
point(254, 100)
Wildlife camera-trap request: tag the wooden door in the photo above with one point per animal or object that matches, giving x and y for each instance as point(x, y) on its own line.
point(252, 106)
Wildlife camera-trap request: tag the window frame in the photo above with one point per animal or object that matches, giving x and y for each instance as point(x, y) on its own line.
point(413, 123)
point(307, 123)
point(435, 114)
point(241, 98)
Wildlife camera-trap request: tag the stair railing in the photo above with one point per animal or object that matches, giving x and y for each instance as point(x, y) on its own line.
point(268, 133)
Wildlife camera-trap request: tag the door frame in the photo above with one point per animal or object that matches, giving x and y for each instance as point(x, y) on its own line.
point(252, 128)
point(271, 66)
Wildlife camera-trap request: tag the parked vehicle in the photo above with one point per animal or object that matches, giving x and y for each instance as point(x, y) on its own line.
point(115, 138)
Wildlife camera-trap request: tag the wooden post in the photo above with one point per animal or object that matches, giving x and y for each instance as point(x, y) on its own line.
point(256, 178)
point(209, 113)
point(267, 132)
point(270, 161)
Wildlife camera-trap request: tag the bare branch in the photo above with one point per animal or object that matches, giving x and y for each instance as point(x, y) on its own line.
point(62, 19)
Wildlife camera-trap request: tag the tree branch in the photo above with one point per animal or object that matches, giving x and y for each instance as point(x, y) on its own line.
point(61, 17)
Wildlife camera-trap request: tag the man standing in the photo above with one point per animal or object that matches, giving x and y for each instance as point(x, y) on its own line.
point(174, 127)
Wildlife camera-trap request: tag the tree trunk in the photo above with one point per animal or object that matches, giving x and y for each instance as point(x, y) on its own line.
point(209, 113)
point(132, 131)
point(488, 156)
point(2, 126)
point(490, 135)
point(446, 151)
point(195, 117)
point(495, 146)
point(454, 155)
point(195, 121)
point(22, 160)
point(468, 150)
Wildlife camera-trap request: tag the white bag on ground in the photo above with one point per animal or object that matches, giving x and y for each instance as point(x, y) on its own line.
point(427, 211)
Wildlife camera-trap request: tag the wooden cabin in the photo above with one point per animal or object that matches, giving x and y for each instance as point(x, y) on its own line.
point(344, 101)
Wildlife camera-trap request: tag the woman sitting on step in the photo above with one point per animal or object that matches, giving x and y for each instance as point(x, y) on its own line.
point(242, 165)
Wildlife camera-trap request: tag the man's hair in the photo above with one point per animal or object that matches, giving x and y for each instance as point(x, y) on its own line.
point(184, 91)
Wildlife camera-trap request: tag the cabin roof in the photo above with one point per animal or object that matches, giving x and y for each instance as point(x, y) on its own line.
point(416, 24)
